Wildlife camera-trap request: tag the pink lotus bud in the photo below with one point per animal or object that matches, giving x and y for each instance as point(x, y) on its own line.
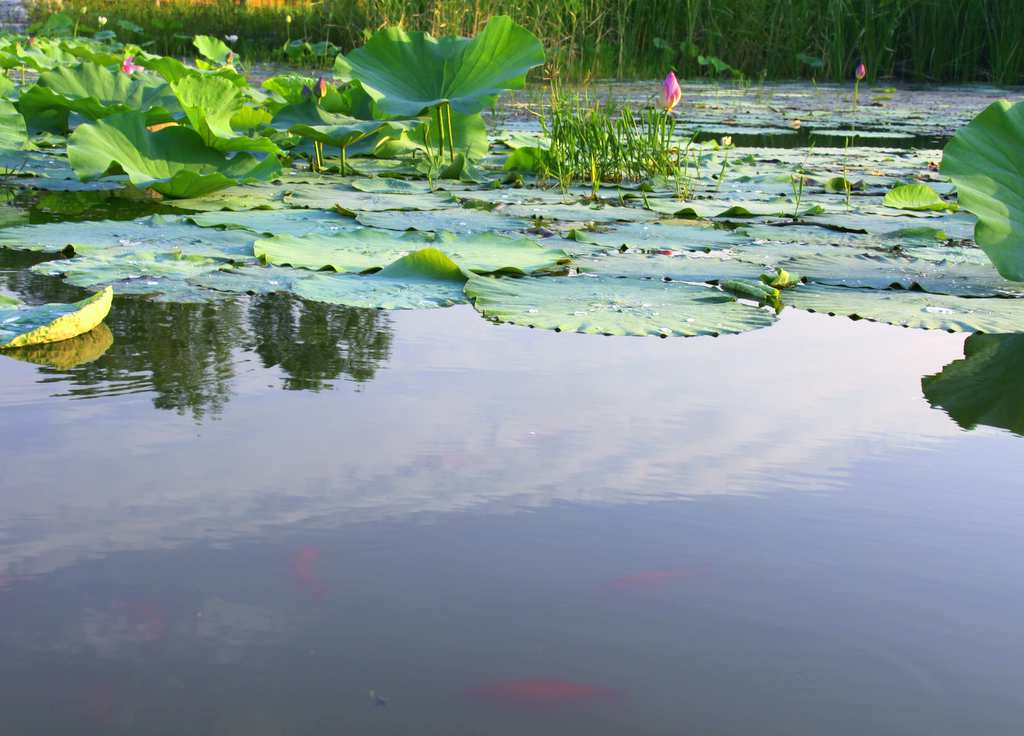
point(128, 66)
point(320, 89)
point(861, 71)
point(671, 92)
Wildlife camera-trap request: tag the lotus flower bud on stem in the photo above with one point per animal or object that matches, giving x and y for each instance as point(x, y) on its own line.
point(671, 92)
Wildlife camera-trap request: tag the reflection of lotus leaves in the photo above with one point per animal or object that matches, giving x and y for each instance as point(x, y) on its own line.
point(67, 353)
point(986, 386)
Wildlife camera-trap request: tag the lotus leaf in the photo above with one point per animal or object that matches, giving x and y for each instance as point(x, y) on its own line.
point(916, 197)
point(370, 250)
point(213, 49)
point(985, 160)
point(148, 233)
point(94, 92)
point(613, 306)
point(407, 73)
point(911, 308)
point(424, 279)
point(173, 161)
point(210, 104)
point(454, 219)
point(22, 325)
point(950, 273)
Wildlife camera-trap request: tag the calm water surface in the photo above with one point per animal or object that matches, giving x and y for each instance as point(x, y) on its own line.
point(241, 519)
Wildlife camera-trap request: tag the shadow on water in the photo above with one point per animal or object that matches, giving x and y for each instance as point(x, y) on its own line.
point(985, 387)
point(187, 354)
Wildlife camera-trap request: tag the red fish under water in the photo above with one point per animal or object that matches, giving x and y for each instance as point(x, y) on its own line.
point(304, 572)
point(541, 692)
point(144, 619)
point(648, 579)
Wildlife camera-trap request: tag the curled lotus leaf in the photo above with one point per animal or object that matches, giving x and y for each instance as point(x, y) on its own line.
point(22, 325)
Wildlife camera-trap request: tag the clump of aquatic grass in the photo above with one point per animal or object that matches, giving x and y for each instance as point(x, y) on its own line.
point(599, 143)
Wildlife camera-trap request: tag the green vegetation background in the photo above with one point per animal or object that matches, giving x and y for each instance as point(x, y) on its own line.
point(927, 40)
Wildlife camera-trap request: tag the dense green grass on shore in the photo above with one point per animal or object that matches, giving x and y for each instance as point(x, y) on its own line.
point(926, 40)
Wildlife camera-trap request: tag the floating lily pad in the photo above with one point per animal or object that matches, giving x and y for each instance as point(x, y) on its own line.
point(390, 185)
point(458, 220)
point(329, 196)
point(275, 222)
point(952, 274)
point(158, 232)
point(911, 308)
point(654, 235)
point(22, 325)
point(613, 306)
point(134, 272)
point(424, 279)
point(672, 268)
point(368, 249)
point(916, 197)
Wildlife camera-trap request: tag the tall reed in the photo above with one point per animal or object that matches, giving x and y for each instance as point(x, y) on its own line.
point(928, 40)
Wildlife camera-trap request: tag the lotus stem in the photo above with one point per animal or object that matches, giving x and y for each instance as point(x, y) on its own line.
point(451, 132)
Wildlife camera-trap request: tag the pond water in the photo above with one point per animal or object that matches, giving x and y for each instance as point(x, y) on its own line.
point(264, 516)
point(243, 518)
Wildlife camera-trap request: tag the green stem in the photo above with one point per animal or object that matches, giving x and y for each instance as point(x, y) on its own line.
point(451, 132)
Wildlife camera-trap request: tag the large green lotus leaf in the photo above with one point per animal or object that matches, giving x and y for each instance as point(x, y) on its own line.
point(67, 354)
point(670, 268)
point(458, 220)
point(275, 222)
point(94, 91)
point(657, 236)
point(158, 232)
point(986, 386)
point(22, 325)
point(213, 49)
point(173, 161)
point(911, 308)
point(328, 196)
point(985, 160)
point(13, 137)
point(613, 306)
point(953, 274)
point(408, 72)
point(916, 197)
point(367, 249)
point(424, 279)
point(518, 196)
point(210, 103)
point(310, 120)
point(133, 271)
